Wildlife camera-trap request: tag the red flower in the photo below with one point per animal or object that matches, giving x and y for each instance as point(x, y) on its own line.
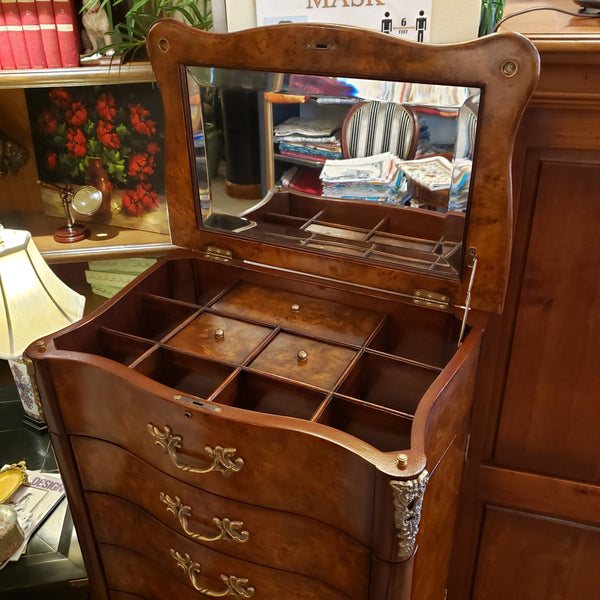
point(141, 166)
point(106, 107)
point(51, 161)
point(140, 121)
point(106, 136)
point(140, 199)
point(60, 97)
point(76, 143)
point(153, 148)
point(76, 115)
point(47, 122)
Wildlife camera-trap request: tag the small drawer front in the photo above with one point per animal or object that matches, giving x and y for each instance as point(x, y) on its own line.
point(208, 573)
point(265, 460)
point(220, 338)
point(301, 314)
point(303, 359)
point(271, 538)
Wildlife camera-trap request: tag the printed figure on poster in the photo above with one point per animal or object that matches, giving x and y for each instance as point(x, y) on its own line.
point(407, 19)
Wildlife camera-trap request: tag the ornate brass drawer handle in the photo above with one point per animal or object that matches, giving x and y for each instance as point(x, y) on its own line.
point(228, 529)
point(235, 586)
point(222, 458)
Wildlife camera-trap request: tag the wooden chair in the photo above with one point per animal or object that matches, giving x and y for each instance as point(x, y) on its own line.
point(372, 127)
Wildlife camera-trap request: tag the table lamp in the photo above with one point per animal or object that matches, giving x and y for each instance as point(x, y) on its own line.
point(34, 302)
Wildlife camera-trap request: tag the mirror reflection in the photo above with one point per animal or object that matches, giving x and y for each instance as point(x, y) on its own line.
point(367, 168)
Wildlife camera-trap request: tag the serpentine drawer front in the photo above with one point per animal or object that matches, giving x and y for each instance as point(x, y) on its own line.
point(119, 523)
point(272, 538)
point(279, 408)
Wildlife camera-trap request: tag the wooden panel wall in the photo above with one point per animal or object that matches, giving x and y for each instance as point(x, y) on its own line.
point(529, 527)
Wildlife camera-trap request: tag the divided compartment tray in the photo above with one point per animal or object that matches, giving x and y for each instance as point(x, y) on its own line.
point(409, 237)
point(365, 369)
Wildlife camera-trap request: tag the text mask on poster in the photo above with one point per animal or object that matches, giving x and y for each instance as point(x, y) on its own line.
point(403, 18)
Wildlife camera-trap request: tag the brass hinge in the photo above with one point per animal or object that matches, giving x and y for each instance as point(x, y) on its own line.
point(217, 253)
point(430, 299)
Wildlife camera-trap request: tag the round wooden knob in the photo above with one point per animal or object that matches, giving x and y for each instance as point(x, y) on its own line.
point(295, 308)
point(302, 356)
point(219, 333)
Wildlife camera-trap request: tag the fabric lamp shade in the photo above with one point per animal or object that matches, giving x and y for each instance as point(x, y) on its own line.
point(35, 302)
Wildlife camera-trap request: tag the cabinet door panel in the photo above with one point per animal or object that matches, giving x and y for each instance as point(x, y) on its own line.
point(527, 557)
point(549, 420)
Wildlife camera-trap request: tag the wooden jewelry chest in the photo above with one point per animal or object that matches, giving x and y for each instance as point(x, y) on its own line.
point(280, 410)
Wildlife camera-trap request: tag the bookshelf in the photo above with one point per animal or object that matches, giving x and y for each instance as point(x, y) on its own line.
point(20, 196)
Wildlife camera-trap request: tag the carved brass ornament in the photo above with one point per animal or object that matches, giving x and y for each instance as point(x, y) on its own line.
point(227, 529)
point(408, 500)
point(222, 459)
point(237, 587)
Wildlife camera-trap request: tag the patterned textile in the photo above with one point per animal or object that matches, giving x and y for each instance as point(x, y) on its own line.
point(374, 127)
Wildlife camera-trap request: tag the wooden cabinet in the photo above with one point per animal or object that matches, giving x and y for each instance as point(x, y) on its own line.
point(270, 414)
point(21, 203)
point(530, 524)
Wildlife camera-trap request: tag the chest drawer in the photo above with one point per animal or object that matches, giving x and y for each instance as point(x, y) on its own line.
point(119, 523)
point(249, 460)
point(268, 537)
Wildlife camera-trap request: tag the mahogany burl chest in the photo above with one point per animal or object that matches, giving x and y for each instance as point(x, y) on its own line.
point(280, 410)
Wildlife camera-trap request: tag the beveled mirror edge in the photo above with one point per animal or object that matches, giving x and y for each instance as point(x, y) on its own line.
point(505, 66)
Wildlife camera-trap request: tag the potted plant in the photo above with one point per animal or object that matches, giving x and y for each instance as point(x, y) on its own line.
point(130, 21)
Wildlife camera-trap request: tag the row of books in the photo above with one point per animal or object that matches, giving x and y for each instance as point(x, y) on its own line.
point(38, 34)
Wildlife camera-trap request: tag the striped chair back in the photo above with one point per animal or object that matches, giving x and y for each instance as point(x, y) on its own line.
point(467, 129)
point(372, 127)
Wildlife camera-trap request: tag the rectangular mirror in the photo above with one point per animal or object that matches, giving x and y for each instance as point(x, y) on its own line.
point(303, 156)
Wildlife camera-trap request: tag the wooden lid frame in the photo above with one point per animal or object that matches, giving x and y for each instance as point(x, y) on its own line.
point(504, 66)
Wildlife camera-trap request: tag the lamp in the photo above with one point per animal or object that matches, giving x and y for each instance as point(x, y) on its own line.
point(86, 201)
point(35, 302)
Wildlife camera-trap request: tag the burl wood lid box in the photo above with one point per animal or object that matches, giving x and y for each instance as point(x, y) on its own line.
point(463, 103)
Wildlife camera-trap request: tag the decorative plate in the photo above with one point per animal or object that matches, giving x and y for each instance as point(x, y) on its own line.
point(11, 478)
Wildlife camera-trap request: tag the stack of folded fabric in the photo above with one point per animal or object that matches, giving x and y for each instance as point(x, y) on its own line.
point(459, 190)
point(302, 179)
point(312, 139)
point(375, 178)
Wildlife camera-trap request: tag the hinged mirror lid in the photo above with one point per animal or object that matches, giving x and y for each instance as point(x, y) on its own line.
point(418, 142)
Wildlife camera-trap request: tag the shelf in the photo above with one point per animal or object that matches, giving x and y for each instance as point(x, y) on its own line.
point(104, 242)
point(21, 205)
point(306, 162)
point(92, 75)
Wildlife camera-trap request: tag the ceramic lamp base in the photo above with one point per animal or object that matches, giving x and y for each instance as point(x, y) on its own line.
point(24, 375)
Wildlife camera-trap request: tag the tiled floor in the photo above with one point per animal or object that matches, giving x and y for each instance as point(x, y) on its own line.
point(52, 567)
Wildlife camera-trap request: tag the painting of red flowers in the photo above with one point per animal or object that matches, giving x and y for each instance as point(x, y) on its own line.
point(117, 128)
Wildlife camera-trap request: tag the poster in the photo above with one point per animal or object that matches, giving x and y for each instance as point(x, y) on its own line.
point(407, 19)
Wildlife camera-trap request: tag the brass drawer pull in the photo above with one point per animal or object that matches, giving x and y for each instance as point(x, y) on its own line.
point(235, 586)
point(228, 529)
point(222, 458)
